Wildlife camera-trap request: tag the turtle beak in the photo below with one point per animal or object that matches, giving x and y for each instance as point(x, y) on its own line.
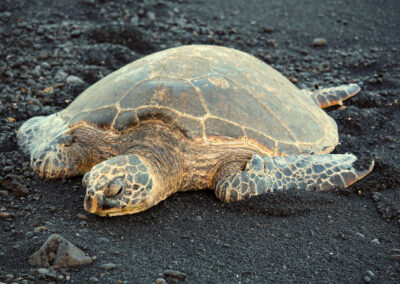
point(97, 203)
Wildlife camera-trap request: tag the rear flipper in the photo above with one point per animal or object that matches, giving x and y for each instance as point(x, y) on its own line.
point(333, 96)
point(312, 173)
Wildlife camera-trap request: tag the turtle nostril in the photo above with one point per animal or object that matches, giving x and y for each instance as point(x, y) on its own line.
point(90, 193)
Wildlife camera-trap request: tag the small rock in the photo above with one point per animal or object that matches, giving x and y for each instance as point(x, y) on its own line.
point(370, 274)
point(161, 281)
point(74, 80)
point(29, 235)
point(5, 214)
point(395, 256)
point(82, 216)
point(174, 274)
point(45, 65)
point(272, 43)
point(14, 184)
point(66, 254)
point(395, 251)
point(51, 276)
point(367, 279)
point(108, 266)
point(43, 271)
point(39, 229)
point(318, 42)
point(267, 29)
point(375, 242)
point(9, 276)
point(94, 279)
point(360, 235)
point(8, 169)
point(60, 76)
point(151, 16)
point(198, 218)
point(103, 240)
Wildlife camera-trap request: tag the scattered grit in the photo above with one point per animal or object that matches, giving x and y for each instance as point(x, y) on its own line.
point(51, 51)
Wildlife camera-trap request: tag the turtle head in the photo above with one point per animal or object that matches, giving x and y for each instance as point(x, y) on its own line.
point(118, 186)
point(47, 141)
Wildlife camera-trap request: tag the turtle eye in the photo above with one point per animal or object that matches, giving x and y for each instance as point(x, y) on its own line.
point(114, 188)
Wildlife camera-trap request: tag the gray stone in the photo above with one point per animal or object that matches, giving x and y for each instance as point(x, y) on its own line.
point(108, 266)
point(103, 240)
point(74, 80)
point(395, 256)
point(14, 184)
point(367, 279)
point(174, 274)
point(375, 242)
point(60, 76)
point(82, 216)
point(59, 252)
point(8, 169)
point(94, 279)
point(319, 42)
point(370, 274)
point(43, 271)
point(9, 276)
point(151, 16)
point(360, 235)
point(198, 218)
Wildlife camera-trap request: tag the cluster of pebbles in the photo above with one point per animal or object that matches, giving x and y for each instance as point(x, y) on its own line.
point(50, 54)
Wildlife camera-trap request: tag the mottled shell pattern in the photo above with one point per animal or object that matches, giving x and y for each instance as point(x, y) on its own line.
point(212, 95)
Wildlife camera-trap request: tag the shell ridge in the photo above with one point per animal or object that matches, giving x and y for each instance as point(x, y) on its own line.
point(265, 107)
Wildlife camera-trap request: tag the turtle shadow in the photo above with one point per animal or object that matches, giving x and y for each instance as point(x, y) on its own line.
point(283, 203)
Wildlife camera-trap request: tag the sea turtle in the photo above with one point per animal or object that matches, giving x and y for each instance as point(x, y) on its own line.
point(191, 117)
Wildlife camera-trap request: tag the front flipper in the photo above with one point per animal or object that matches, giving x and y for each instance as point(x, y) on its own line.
point(312, 173)
point(328, 97)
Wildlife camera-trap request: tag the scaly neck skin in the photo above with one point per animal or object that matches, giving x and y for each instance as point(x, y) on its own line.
point(180, 164)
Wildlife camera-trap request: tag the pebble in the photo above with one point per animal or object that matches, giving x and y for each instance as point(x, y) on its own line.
point(370, 273)
point(8, 169)
point(14, 184)
point(67, 253)
point(161, 281)
point(43, 271)
point(108, 266)
point(29, 235)
point(60, 76)
point(174, 274)
point(82, 216)
point(94, 279)
point(103, 240)
point(51, 276)
point(360, 235)
point(272, 43)
point(198, 218)
point(375, 242)
point(151, 16)
point(267, 29)
point(74, 80)
point(367, 279)
point(395, 256)
point(318, 42)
